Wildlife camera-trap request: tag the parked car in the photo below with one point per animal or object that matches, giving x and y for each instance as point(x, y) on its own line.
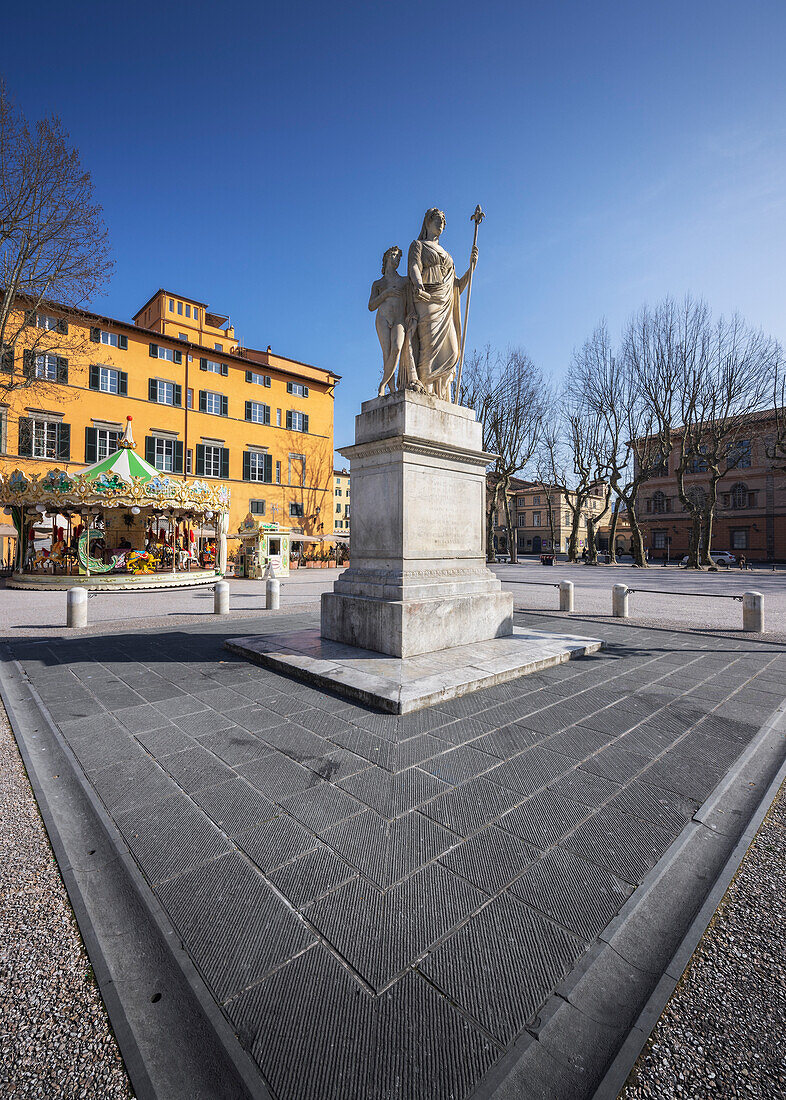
point(722, 557)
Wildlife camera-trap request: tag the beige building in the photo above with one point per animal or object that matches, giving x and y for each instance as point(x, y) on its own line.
point(530, 502)
point(341, 502)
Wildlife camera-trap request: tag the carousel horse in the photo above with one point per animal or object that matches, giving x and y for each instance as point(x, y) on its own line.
point(140, 561)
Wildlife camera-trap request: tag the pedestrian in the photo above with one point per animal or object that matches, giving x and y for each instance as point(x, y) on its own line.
point(743, 562)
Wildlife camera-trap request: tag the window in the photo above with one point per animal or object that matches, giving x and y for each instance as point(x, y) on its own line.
point(213, 366)
point(660, 502)
point(698, 463)
point(256, 507)
point(278, 473)
point(257, 413)
point(100, 443)
point(196, 313)
point(44, 438)
point(257, 379)
point(188, 310)
point(164, 392)
point(189, 461)
point(536, 500)
point(110, 339)
point(520, 502)
point(739, 538)
point(157, 352)
point(278, 418)
point(536, 519)
point(339, 524)
point(164, 455)
point(297, 466)
point(212, 460)
point(218, 347)
point(521, 519)
point(189, 399)
point(739, 495)
point(338, 509)
point(215, 403)
point(44, 321)
point(567, 519)
point(296, 421)
point(180, 308)
point(182, 335)
point(297, 388)
point(659, 540)
point(108, 380)
point(257, 466)
point(346, 512)
point(339, 492)
point(171, 305)
point(740, 454)
point(46, 367)
point(3, 431)
point(295, 510)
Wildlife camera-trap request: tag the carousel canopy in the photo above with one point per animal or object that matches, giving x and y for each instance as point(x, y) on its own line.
point(125, 463)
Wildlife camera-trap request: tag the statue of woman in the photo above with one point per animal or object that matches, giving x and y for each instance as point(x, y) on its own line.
point(391, 298)
point(436, 291)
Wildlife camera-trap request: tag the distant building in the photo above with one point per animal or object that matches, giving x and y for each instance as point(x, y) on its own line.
point(750, 516)
point(531, 503)
point(341, 502)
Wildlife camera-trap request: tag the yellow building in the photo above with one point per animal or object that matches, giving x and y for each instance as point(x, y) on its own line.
point(341, 501)
point(202, 406)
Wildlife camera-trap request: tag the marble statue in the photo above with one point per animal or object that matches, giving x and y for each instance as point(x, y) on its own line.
point(436, 341)
point(391, 298)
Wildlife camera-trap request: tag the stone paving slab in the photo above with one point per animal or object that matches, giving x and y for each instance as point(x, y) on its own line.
point(382, 904)
point(404, 685)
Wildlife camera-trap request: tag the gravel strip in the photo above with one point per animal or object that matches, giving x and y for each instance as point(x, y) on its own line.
point(723, 1033)
point(55, 1039)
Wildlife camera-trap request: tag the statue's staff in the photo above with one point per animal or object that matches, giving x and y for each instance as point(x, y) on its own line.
point(477, 218)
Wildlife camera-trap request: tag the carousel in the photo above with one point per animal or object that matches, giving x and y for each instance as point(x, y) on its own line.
point(118, 524)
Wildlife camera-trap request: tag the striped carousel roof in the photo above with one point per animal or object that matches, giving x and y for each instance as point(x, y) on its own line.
point(124, 462)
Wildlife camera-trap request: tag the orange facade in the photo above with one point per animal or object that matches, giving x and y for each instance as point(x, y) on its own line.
point(202, 406)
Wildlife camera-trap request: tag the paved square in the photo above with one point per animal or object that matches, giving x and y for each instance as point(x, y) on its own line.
point(382, 903)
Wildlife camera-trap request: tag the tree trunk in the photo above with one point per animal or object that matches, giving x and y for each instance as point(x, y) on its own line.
point(613, 532)
point(491, 511)
point(637, 541)
point(573, 541)
point(592, 548)
point(509, 526)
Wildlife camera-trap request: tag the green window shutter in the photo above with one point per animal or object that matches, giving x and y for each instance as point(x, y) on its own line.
point(62, 326)
point(154, 351)
point(177, 395)
point(178, 356)
point(248, 409)
point(203, 364)
point(178, 462)
point(289, 387)
point(305, 391)
point(64, 441)
point(267, 414)
point(122, 343)
point(122, 383)
point(267, 380)
point(150, 450)
point(200, 460)
point(224, 369)
point(289, 420)
point(305, 423)
point(25, 448)
point(152, 389)
point(28, 362)
point(248, 375)
point(91, 445)
point(95, 376)
point(267, 468)
point(246, 466)
point(62, 369)
point(224, 405)
point(7, 360)
point(203, 401)
point(225, 462)
point(95, 335)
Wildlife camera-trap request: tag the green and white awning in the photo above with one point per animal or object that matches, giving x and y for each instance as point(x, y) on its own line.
point(124, 462)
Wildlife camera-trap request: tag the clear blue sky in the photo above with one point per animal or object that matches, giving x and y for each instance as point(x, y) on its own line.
point(261, 157)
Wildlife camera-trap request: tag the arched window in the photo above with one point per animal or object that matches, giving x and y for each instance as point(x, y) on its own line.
point(739, 495)
point(659, 501)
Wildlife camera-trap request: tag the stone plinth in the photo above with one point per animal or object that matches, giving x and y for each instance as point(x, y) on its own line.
point(418, 581)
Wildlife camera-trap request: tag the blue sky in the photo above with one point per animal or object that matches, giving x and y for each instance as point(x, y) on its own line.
point(261, 157)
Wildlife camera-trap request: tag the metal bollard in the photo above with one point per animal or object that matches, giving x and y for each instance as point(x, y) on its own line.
point(619, 601)
point(753, 612)
point(221, 598)
point(566, 595)
point(76, 607)
point(272, 589)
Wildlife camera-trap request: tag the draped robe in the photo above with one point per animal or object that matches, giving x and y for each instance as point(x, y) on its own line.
point(439, 322)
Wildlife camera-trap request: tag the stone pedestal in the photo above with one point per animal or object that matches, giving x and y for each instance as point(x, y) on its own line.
point(418, 582)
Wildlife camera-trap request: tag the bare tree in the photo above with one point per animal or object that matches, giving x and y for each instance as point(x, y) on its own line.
point(54, 255)
point(508, 393)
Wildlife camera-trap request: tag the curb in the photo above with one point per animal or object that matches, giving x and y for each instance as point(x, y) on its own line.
point(592, 1029)
point(174, 1040)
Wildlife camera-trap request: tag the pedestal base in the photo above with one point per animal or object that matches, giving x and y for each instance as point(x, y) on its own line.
point(407, 628)
point(402, 685)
